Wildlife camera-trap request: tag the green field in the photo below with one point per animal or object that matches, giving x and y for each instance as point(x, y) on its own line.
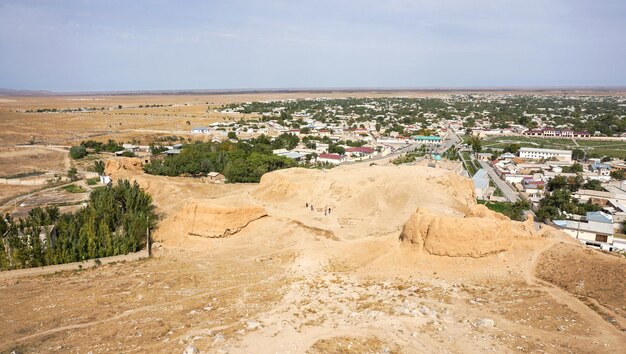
point(72, 188)
point(500, 207)
point(469, 164)
point(592, 147)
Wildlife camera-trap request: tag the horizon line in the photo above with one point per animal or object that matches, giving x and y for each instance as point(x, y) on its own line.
point(503, 88)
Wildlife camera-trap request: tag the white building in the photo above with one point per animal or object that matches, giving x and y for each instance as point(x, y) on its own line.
point(334, 159)
point(481, 183)
point(200, 130)
point(597, 228)
point(538, 154)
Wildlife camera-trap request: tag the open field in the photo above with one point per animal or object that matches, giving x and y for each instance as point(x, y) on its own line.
point(593, 147)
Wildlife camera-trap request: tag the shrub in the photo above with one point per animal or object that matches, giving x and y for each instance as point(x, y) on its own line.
point(78, 152)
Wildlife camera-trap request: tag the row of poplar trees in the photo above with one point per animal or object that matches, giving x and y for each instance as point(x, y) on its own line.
point(114, 222)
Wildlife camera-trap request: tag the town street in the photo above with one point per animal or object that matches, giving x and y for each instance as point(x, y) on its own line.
point(508, 192)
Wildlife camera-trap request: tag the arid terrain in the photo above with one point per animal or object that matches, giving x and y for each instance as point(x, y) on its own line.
point(360, 258)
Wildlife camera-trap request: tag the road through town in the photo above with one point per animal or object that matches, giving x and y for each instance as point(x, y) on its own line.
point(507, 190)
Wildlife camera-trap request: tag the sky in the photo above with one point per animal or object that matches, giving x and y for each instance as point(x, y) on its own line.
point(114, 45)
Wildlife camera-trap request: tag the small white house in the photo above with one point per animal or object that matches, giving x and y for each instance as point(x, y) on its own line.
point(104, 179)
point(334, 159)
point(597, 227)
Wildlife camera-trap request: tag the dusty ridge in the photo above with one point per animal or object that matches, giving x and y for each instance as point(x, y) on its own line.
point(201, 218)
point(470, 236)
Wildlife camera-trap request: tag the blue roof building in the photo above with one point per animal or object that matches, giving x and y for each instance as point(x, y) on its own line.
point(481, 183)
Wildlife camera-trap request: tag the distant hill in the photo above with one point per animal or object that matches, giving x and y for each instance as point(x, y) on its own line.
point(12, 92)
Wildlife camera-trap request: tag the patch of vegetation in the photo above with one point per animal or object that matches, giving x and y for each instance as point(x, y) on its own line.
point(515, 211)
point(469, 164)
point(240, 162)
point(113, 223)
point(25, 174)
point(72, 188)
point(85, 147)
point(78, 152)
point(409, 157)
point(560, 201)
point(93, 181)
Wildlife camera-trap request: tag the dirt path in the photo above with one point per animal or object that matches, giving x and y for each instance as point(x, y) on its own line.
point(613, 335)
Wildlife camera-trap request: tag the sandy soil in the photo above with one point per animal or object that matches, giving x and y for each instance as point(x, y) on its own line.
point(289, 279)
point(252, 269)
point(15, 160)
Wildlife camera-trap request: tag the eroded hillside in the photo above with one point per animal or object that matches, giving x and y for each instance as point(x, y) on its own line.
point(354, 259)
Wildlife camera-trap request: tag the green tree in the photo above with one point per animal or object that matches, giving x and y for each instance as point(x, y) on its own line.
point(618, 175)
point(72, 173)
point(594, 184)
point(576, 168)
point(558, 182)
point(78, 152)
point(512, 148)
point(578, 154)
point(98, 166)
point(476, 143)
point(232, 135)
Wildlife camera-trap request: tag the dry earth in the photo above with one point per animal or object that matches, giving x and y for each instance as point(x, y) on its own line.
point(280, 277)
point(250, 268)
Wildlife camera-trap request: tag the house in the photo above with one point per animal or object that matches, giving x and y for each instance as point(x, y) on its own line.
point(321, 148)
point(507, 156)
point(601, 169)
point(43, 233)
point(533, 188)
point(215, 177)
point(360, 151)
point(172, 152)
point(481, 183)
point(484, 156)
point(130, 147)
point(538, 154)
point(428, 140)
point(596, 228)
point(104, 179)
point(200, 130)
point(334, 159)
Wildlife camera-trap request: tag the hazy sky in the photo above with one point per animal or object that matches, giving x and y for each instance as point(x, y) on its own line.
point(149, 45)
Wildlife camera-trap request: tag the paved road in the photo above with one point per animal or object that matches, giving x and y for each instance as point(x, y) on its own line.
point(387, 158)
point(507, 190)
point(619, 243)
point(450, 140)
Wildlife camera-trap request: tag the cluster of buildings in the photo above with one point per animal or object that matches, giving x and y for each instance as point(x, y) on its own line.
point(375, 141)
point(557, 133)
point(529, 172)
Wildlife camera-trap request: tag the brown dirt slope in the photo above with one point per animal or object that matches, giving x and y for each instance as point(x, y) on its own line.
point(597, 278)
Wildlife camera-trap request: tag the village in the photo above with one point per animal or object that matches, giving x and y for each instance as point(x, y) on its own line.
point(510, 164)
point(500, 174)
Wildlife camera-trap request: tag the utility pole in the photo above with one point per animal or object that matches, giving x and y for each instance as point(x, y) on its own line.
point(148, 238)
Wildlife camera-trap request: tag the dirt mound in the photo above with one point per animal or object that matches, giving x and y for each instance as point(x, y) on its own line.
point(369, 190)
point(198, 218)
point(364, 200)
point(123, 167)
point(470, 236)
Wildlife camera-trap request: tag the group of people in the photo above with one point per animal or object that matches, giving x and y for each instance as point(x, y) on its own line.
point(310, 205)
